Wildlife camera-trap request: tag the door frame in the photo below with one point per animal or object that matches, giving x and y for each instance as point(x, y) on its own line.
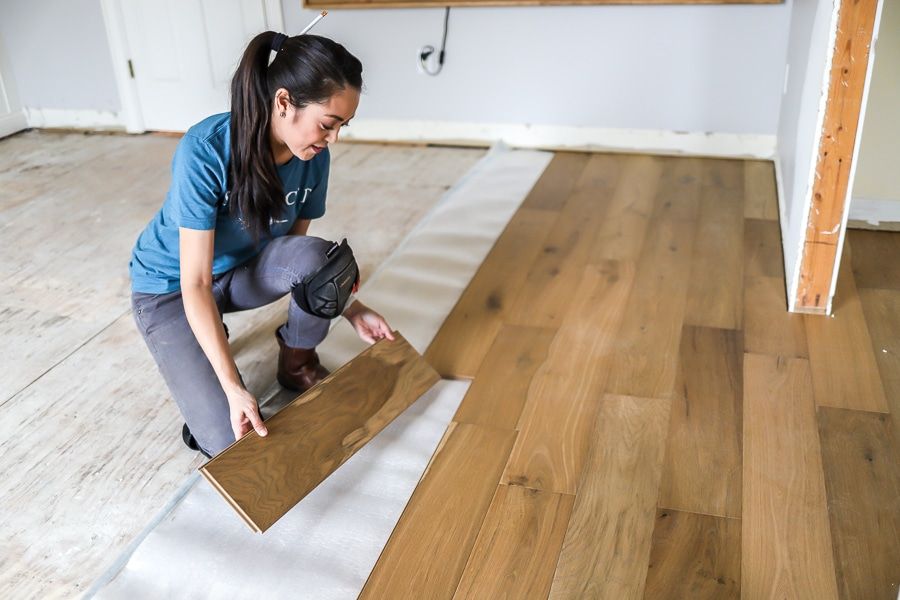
point(114, 20)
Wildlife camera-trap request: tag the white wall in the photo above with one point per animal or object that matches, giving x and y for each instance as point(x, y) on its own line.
point(877, 172)
point(12, 118)
point(680, 68)
point(799, 124)
point(59, 54)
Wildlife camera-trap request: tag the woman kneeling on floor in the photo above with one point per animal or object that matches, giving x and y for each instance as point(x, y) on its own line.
point(231, 235)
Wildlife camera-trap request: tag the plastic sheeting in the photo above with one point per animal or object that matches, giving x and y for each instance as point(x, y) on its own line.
point(327, 545)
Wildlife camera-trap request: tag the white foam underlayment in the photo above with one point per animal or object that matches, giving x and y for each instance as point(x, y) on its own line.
point(327, 545)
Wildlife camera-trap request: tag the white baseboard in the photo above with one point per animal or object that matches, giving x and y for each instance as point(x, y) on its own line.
point(560, 137)
point(875, 212)
point(73, 119)
point(13, 122)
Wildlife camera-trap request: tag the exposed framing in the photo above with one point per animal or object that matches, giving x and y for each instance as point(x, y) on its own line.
point(848, 83)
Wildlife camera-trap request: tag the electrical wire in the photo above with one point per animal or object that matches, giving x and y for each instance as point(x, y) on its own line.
point(429, 50)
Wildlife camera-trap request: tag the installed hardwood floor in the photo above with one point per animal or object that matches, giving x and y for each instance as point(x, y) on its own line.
point(639, 353)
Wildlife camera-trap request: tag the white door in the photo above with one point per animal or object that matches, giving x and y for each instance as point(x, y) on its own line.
point(184, 52)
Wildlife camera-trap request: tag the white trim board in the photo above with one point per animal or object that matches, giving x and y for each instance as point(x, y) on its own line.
point(12, 123)
point(564, 137)
point(73, 119)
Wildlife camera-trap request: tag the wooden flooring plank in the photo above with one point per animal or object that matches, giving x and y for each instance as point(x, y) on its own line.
point(498, 394)
point(516, 550)
point(882, 311)
point(460, 345)
point(763, 254)
point(546, 295)
point(715, 294)
point(427, 552)
point(264, 477)
point(557, 182)
point(768, 326)
point(555, 426)
point(875, 258)
point(844, 371)
point(861, 457)
point(760, 197)
point(694, 556)
point(644, 359)
point(620, 235)
point(607, 545)
point(678, 194)
point(785, 536)
point(702, 471)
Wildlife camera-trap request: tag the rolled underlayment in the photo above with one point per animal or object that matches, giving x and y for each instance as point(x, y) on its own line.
point(327, 545)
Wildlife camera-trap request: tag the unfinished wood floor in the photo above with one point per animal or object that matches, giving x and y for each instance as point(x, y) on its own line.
point(646, 420)
point(90, 446)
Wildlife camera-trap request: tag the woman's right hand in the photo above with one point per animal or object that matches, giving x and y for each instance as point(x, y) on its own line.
point(244, 411)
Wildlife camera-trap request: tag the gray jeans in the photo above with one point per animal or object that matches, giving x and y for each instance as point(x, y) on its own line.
point(194, 385)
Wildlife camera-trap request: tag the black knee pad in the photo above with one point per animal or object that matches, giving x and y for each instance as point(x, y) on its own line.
point(324, 293)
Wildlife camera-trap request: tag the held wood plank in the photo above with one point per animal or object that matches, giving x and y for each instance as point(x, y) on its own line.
point(546, 295)
point(694, 556)
point(785, 537)
point(620, 235)
point(497, 395)
point(844, 371)
point(516, 550)
point(460, 345)
point(861, 456)
point(760, 197)
point(607, 545)
point(555, 426)
point(264, 477)
point(702, 472)
point(715, 293)
point(426, 554)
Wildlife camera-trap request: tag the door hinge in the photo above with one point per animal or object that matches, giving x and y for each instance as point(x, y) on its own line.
point(131, 68)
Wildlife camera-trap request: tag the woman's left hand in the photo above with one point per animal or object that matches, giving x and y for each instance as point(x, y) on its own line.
point(369, 325)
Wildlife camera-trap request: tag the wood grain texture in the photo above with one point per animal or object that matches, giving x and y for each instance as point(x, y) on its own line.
point(546, 296)
point(760, 196)
point(875, 258)
point(702, 470)
point(768, 326)
point(861, 457)
point(844, 371)
point(882, 312)
point(620, 235)
point(263, 478)
point(427, 552)
point(715, 293)
point(557, 182)
point(555, 426)
point(498, 394)
point(785, 535)
point(460, 345)
point(849, 65)
point(516, 550)
point(341, 4)
point(694, 556)
point(607, 545)
point(644, 361)
point(763, 255)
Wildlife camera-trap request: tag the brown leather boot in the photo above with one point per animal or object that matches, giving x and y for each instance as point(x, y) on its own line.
point(298, 368)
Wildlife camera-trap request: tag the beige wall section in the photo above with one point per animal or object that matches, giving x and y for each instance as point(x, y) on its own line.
point(877, 175)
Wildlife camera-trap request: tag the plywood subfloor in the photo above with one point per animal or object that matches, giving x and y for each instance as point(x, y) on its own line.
point(89, 438)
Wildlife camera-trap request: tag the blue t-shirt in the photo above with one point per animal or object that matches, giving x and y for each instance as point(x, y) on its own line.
point(198, 199)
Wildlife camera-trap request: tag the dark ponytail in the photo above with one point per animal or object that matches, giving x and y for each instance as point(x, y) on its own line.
point(311, 68)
